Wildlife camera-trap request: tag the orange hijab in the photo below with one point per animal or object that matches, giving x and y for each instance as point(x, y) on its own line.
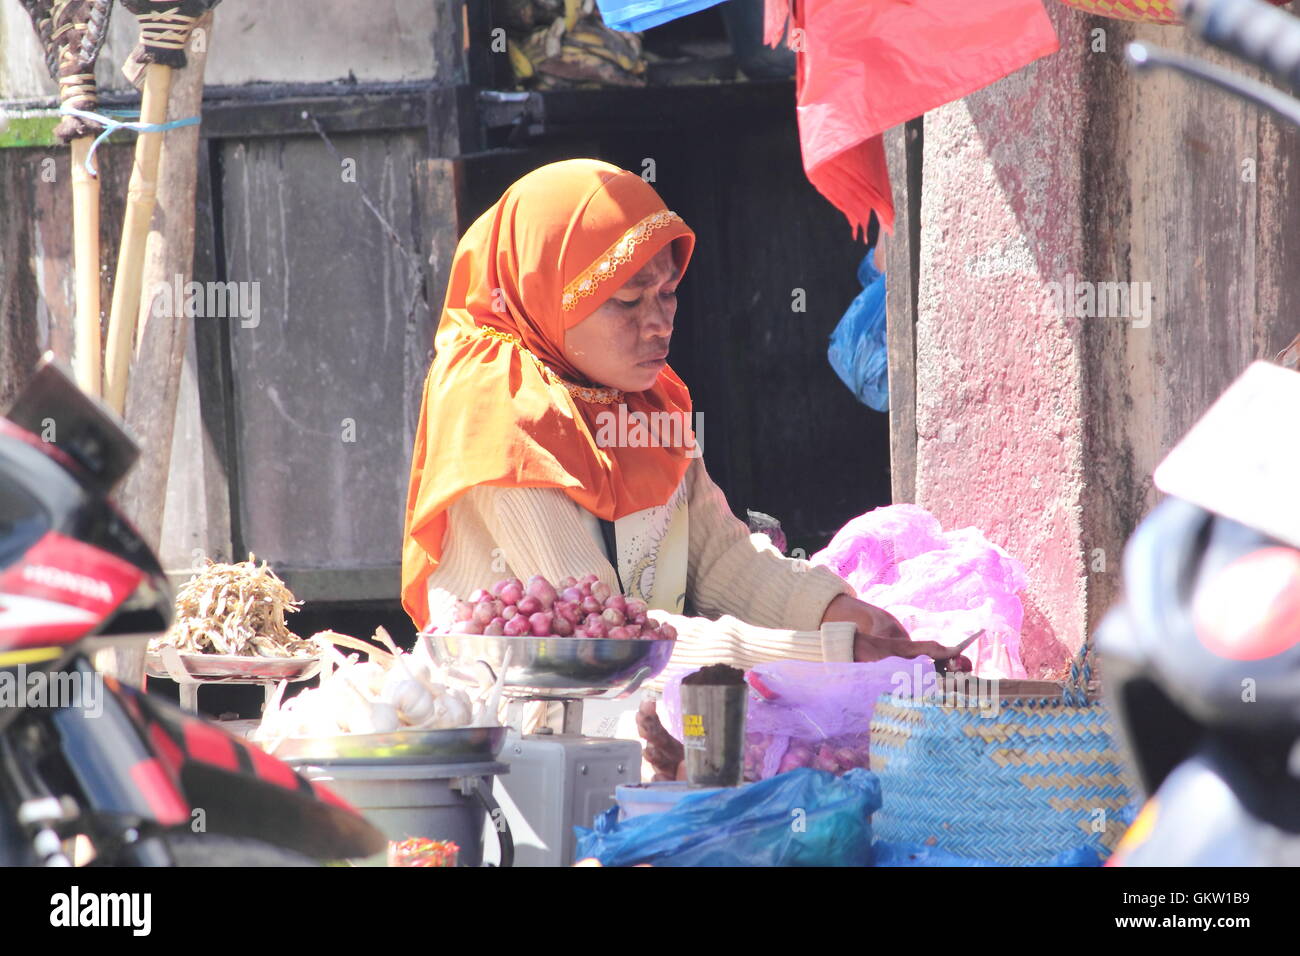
point(496, 407)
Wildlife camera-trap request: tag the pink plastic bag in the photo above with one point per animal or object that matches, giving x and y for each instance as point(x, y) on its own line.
point(804, 714)
point(942, 586)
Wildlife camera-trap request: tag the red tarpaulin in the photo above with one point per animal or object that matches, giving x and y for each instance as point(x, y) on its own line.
point(867, 65)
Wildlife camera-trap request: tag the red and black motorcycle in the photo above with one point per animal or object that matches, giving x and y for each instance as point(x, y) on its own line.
point(81, 754)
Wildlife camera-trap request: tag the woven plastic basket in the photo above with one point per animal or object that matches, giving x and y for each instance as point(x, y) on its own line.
point(1142, 11)
point(1016, 778)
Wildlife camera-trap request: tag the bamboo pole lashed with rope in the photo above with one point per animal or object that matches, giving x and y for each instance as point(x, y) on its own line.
point(165, 27)
point(72, 33)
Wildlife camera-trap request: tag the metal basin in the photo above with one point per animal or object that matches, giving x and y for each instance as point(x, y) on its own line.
point(558, 668)
point(456, 745)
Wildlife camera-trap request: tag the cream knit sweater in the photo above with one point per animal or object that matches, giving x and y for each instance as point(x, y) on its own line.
point(756, 605)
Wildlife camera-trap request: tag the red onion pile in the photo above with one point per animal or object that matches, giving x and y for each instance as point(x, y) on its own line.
point(585, 607)
point(836, 756)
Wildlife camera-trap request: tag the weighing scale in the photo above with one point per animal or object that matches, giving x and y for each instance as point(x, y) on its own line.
point(192, 671)
point(559, 777)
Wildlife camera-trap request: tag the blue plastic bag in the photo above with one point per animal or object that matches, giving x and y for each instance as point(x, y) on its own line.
point(636, 15)
point(801, 818)
point(858, 351)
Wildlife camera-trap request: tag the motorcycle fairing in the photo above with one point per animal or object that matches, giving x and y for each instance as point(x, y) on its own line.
point(244, 791)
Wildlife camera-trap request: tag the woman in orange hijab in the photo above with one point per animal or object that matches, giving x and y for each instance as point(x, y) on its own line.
point(551, 417)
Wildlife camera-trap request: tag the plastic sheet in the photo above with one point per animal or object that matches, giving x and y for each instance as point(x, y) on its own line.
point(642, 14)
point(865, 67)
point(803, 818)
point(858, 350)
point(942, 586)
point(804, 714)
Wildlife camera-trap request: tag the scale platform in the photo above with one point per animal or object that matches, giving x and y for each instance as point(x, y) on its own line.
point(560, 777)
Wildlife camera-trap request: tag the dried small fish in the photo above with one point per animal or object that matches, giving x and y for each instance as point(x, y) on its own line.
point(235, 609)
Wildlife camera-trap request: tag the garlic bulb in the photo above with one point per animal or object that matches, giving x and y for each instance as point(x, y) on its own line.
point(412, 702)
point(384, 694)
point(383, 718)
point(459, 709)
point(370, 677)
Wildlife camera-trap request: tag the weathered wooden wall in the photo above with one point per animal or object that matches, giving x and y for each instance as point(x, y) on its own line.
point(36, 279)
point(322, 422)
point(1197, 193)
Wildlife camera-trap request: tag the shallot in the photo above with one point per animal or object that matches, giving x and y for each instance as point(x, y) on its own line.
point(583, 607)
point(568, 611)
point(540, 588)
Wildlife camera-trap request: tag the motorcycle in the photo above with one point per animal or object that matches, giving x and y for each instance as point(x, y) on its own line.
point(91, 768)
point(1202, 658)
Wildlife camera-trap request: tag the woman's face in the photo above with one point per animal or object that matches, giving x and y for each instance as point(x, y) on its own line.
point(624, 343)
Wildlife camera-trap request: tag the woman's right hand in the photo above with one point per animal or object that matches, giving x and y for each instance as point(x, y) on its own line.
point(880, 635)
point(868, 647)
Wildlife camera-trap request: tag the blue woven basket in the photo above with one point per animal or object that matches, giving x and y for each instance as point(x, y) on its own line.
point(1017, 783)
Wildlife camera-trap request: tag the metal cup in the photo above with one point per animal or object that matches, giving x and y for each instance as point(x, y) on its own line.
point(713, 733)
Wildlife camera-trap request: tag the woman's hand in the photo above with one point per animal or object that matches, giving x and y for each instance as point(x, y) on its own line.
point(880, 635)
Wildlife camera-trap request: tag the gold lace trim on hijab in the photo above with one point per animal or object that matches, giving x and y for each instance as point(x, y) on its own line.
point(620, 252)
point(603, 395)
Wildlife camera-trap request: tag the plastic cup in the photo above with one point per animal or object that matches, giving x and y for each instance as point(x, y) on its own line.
point(713, 733)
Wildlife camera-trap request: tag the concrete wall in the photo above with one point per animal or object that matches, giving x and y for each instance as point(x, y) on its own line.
point(1042, 428)
point(275, 41)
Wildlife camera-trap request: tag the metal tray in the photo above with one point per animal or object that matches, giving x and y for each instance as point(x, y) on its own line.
point(233, 667)
point(558, 668)
point(458, 745)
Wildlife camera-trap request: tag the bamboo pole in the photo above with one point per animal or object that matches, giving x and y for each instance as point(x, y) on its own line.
point(164, 333)
point(85, 254)
point(71, 35)
point(165, 27)
point(141, 197)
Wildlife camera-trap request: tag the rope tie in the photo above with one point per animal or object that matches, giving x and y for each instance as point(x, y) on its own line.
point(112, 125)
point(165, 30)
point(80, 86)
